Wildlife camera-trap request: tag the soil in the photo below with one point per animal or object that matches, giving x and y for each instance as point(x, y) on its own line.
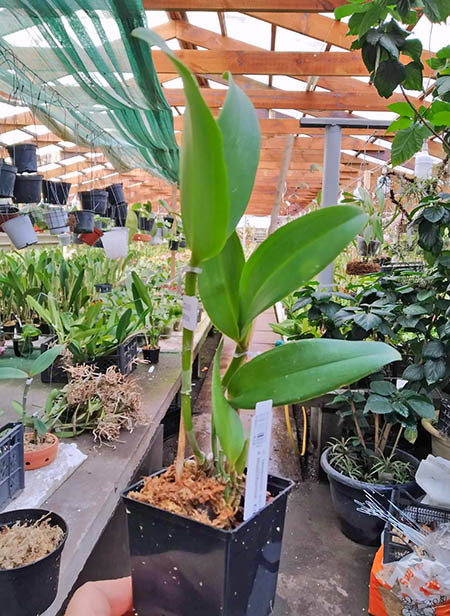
point(362, 267)
point(46, 441)
point(196, 496)
point(24, 543)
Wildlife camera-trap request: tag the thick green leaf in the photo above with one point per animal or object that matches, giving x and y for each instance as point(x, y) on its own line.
point(434, 370)
point(367, 320)
point(45, 360)
point(122, 325)
point(389, 75)
point(293, 255)
point(219, 287)
point(241, 143)
point(403, 122)
point(302, 370)
point(12, 373)
point(378, 404)
point(40, 426)
point(383, 388)
point(17, 407)
point(413, 76)
point(422, 406)
point(407, 142)
point(203, 176)
point(141, 289)
point(410, 435)
point(226, 421)
point(413, 373)
point(433, 350)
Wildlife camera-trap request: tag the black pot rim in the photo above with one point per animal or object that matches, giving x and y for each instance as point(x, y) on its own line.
point(363, 485)
point(289, 484)
point(29, 176)
point(43, 512)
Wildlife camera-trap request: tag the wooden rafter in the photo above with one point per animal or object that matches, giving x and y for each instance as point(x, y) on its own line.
point(303, 6)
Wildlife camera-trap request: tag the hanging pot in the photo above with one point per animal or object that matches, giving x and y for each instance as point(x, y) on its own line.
point(120, 214)
point(31, 589)
point(28, 188)
point(168, 221)
point(115, 194)
point(56, 192)
point(20, 231)
point(7, 179)
point(7, 212)
point(173, 245)
point(24, 157)
point(145, 224)
point(85, 221)
point(56, 220)
point(94, 200)
point(115, 242)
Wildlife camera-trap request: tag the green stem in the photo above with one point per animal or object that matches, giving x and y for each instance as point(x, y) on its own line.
point(240, 354)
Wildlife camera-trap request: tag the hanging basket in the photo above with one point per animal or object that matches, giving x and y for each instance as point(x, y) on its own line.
point(7, 179)
point(24, 157)
point(56, 220)
point(56, 193)
point(360, 268)
point(116, 195)
point(20, 231)
point(28, 188)
point(115, 243)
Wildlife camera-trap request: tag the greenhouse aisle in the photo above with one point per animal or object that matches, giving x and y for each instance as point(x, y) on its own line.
point(322, 573)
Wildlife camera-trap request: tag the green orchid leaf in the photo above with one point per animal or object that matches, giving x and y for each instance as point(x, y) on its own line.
point(17, 407)
point(241, 142)
point(220, 279)
point(45, 360)
point(122, 325)
point(299, 371)
point(203, 176)
point(12, 373)
point(226, 421)
point(241, 462)
point(293, 255)
point(40, 426)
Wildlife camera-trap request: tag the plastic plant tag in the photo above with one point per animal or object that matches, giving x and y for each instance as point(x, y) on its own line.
point(190, 312)
point(400, 383)
point(258, 459)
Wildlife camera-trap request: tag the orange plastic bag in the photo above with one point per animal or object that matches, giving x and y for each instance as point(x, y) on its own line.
point(383, 602)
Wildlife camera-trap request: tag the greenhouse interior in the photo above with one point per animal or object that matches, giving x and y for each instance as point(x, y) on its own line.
point(225, 308)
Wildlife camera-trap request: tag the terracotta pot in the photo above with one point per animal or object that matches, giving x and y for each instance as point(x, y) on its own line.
point(142, 237)
point(40, 457)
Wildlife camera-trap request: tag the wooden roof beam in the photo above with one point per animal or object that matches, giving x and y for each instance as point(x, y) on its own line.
point(302, 6)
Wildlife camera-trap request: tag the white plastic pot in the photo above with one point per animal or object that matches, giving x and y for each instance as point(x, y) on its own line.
point(115, 242)
point(20, 231)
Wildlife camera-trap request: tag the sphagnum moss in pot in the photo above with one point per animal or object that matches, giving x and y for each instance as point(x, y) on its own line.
point(371, 459)
point(191, 550)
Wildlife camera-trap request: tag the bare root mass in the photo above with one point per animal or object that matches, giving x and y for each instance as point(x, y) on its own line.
point(25, 543)
point(362, 267)
point(197, 496)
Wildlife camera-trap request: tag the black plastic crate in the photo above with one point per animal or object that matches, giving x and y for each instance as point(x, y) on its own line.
point(123, 358)
point(55, 373)
point(12, 475)
point(394, 549)
point(443, 424)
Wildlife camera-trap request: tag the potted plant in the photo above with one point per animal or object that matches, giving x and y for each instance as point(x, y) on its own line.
point(145, 216)
point(369, 459)
point(216, 179)
point(42, 535)
point(40, 446)
point(23, 343)
point(149, 317)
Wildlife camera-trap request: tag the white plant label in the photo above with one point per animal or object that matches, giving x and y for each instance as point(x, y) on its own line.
point(190, 312)
point(258, 459)
point(401, 383)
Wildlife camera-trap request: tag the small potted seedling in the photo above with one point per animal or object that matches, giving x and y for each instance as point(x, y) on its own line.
point(40, 445)
point(149, 317)
point(23, 343)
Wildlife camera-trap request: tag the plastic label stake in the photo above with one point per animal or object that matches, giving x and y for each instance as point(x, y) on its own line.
point(190, 312)
point(258, 459)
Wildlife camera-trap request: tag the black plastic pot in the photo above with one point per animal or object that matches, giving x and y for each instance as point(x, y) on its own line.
point(23, 347)
point(56, 193)
point(115, 194)
point(180, 566)
point(7, 179)
point(169, 221)
point(359, 527)
point(12, 473)
point(7, 212)
point(104, 287)
point(9, 329)
point(151, 355)
point(30, 590)
point(85, 221)
point(173, 245)
point(24, 157)
point(120, 214)
point(183, 243)
point(28, 188)
point(94, 200)
point(145, 224)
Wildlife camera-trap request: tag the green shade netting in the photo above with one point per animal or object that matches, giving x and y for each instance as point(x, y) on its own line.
point(77, 67)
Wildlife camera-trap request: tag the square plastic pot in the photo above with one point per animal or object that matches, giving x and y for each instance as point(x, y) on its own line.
point(20, 231)
point(24, 157)
point(56, 220)
point(56, 193)
point(12, 474)
point(183, 567)
point(28, 188)
point(115, 242)
point(7, 179)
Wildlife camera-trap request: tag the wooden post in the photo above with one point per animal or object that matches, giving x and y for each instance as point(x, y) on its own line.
point(285, 164)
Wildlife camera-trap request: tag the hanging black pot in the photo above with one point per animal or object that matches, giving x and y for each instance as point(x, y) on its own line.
point(120, 214)
point(7, 179)
point(31, 589)
point(24, 157)
point(173, 245)
point(56, 193)
point(151, 355)
point(104, 287)
point(94, 200)
point(357, 526)
point(145, 224)
point(85, 221)
point(223, 572)
point(116, 195)
point(28, 188)
point(168, 220)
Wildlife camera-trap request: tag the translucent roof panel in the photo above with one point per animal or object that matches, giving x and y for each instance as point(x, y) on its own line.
point(286, 40)
point(14, 136)
point(156, 18)
point(248, 29)
point(433, 36)
point(37, 129)
point(205, 19)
